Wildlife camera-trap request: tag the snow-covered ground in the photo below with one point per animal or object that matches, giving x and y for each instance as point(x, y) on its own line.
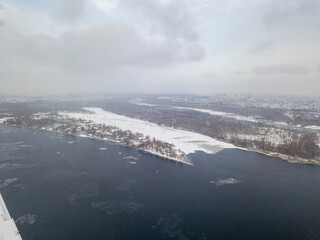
point(186, 141)
point(2, 120)
point(313, 127)
point(219, 113)
point(147, 104)
point(8, 229)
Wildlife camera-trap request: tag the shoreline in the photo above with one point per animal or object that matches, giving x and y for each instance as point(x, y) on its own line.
point(185, 161)
point(284, 157)
point(288, 158)
point(122, 144)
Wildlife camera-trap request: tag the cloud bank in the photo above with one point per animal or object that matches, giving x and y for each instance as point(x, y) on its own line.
point(160, 46)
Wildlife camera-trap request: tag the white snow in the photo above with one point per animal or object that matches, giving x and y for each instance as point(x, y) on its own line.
point(211, 112)
point(313, 127)
point(218, 113)
point(40, 115)
point(8, 229)
point(186, 141)
point(146, 104)
point(2, 120)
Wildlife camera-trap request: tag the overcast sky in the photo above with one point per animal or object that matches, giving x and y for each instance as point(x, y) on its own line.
point(159, 46)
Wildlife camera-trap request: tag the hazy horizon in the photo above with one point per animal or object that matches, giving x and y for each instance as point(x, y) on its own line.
point(159, 47)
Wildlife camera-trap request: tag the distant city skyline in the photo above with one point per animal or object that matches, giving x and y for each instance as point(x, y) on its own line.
point(161, 46)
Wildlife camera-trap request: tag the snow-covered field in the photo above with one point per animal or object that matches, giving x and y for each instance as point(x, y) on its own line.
point(186, 141)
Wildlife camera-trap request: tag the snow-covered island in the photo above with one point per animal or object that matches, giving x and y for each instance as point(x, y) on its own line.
point(97, 123)
point(174, 133)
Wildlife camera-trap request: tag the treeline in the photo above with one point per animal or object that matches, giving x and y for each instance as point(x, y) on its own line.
point(304, 146)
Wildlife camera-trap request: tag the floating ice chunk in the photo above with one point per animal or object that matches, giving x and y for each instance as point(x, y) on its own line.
point(132, 162)
point(224, 181)
point(130, 157)
point(117, 206)
point(28, 219)
point(7, 182)
point(26, 146)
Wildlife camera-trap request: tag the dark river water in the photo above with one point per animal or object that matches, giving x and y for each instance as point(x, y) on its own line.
point(65, 187)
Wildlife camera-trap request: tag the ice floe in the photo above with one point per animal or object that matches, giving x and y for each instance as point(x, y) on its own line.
point(117, 206)
point(223, 181)
point(7, 182)
point(28, 219)
point(130, 157)
point(132, 162)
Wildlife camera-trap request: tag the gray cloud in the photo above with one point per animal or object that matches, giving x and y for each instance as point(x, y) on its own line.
point(195, 52)
point(260, 47)
point(287, 69)
point(208, 75)
point(172, 18)
point(155, 47)
point(1, 23)
point(108, 56)
point(109, 45)
point(282, 12)
point(70, 10)
point(239, 73)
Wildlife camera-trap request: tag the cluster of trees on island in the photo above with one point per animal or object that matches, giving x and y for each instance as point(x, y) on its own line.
point(304, 146)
